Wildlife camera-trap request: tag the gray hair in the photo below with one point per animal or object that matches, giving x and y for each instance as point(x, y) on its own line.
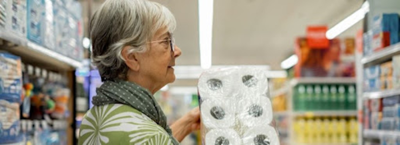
point(120, 23)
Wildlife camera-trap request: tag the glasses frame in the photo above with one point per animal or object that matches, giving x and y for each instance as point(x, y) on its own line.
point(171, 42)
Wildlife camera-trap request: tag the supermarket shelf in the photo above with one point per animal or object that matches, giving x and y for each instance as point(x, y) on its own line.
point(326, 144)
point(377, 134)
point(380, 56)
point(33, 53)
point(325, 113)
point(322, 80)
point(380, 94)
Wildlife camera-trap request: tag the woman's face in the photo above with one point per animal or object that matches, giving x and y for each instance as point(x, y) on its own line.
point(159, 59)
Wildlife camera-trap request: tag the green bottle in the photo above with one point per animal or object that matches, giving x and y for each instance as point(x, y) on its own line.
point(317, 97)
point(351, 98)
point(310, 98)
point(325, 98)
point(333, 98)
point(301, 98)
point(341, 102)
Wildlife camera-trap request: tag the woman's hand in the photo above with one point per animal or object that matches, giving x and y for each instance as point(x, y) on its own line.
point(187, 124)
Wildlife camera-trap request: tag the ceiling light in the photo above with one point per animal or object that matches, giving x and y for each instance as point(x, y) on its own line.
point(206, 8)
point(348, 22)
point(86, 42)
point(289, 62)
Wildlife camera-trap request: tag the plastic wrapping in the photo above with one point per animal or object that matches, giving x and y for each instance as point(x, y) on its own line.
point(235, 108)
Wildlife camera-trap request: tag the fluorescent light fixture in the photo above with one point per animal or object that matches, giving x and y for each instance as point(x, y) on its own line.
point(348, 22)
point(206, 10)
point(165, 88)
point(289, 62)
point(86, 43)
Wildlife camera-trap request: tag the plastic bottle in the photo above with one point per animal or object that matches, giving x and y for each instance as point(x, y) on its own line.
point(317, 97)
point(310, 98)
point(342, 130)
point(310, 131)
point(318, 131)
point(353, 131)
point(301, 98)
point(351, 98)
point(325, 98)
point(301, 133)
point(333, 98)
point(325, 131)
point(341, 101)
point(333, 130)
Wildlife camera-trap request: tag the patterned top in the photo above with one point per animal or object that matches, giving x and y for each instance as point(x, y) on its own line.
point(116, 124)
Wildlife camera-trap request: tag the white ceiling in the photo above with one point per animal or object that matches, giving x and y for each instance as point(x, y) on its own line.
point(253, 32)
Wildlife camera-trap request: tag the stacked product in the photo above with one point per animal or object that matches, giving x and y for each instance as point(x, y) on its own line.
point(13, 17)
point(385, 76)
point(326, 130)
point(384, 32)
point(235, 108)
point(10, 96)
point(325, 97)
point(56, 25)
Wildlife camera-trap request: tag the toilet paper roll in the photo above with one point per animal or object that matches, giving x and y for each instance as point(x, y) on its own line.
point(255, 111)
point(252, 80)
point(222, 137)
point(261, 135)
point(216, 113)
point(216, 83)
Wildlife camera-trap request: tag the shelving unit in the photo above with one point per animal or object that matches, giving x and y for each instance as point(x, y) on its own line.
point(33, 53)
point(380, 94)
point(343, 113)
point(47, 59)
point(381, 56)
point(292, 114)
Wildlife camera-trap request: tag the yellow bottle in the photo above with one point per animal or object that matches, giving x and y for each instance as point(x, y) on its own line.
point(318, 131)
point(310, 131)
point(342, 130)
point(300, 128)
point(333, 131)
point(325, 131)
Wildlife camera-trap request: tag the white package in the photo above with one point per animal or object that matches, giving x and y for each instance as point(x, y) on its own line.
point(252, 80)
point(16, 17)
point(236, 99)
point(222, 137)
point(255, 111)
point(264, 135)
point(217, 114)
point(216, 84)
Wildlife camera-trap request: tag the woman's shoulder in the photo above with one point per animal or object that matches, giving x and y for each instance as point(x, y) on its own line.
point(119, 124)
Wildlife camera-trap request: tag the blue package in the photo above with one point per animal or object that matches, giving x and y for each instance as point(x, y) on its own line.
point(367, 40)
point(371, 79)
point(387, 22)
point(390, 101)
point(10, 96)
point(34, 21)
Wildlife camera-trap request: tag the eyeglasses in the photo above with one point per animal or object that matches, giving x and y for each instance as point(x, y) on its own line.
point(171, 42)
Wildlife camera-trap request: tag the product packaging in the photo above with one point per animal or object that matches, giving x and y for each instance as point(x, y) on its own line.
point(10, 97)
point(371, 78)
point(396, 72)
point(386, 76)
point(367, 43)
point(48, 25)
point(35, 21)
point(3, 14)
point(16, 17)
point(235, 108)
point(385, 30)
point(60, 25)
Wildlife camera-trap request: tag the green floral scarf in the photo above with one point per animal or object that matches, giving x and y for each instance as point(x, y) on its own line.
point(131, 94)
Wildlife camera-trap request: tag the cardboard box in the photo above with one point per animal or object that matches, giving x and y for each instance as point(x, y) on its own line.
point(396, 72)
point(372, 78)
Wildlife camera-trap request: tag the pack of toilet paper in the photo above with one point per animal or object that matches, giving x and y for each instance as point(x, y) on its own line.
point(235, 108)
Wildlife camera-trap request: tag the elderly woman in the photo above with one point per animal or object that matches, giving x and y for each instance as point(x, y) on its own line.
point(134, 51)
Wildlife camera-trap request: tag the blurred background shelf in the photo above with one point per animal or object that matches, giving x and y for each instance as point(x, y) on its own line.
point(381, 94)
point(36, 54)
point(381, 56)
point(325, 113)
point(377, 134)
point(323, 81)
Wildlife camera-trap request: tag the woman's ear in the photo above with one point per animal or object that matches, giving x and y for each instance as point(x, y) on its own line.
point(130, 58)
